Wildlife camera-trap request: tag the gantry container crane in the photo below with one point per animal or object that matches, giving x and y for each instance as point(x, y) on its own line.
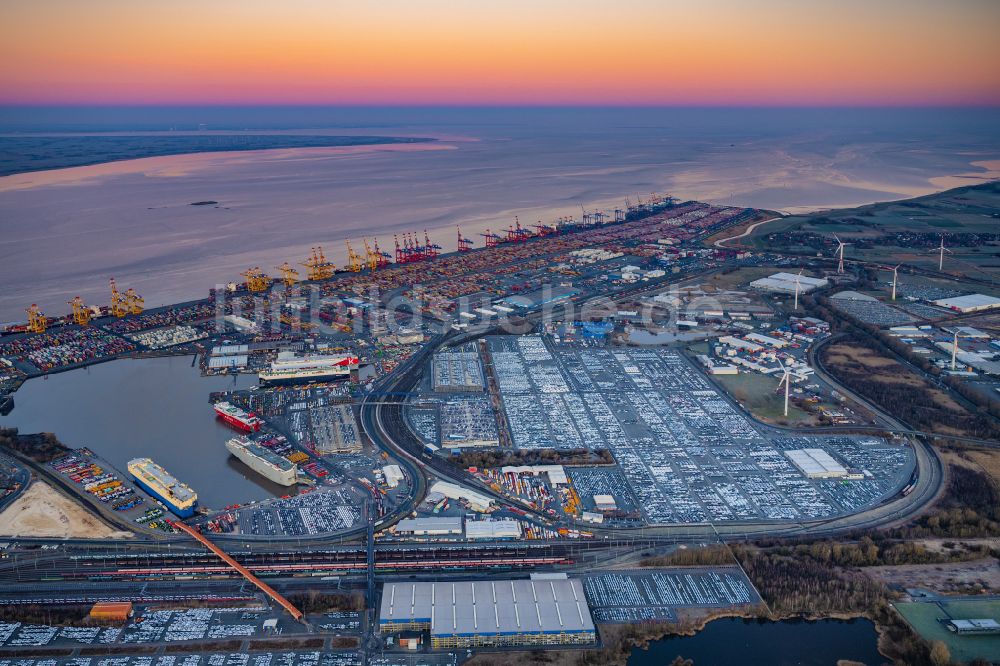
point(257, 280)
point(317, 266)
point(37, 322)
point(81, 313)
point(119, 306)
point(288, 274)
point(354, 261)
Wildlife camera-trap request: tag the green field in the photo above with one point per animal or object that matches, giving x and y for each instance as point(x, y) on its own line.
point(759, 395)
point(924, 616)
point(966, 210)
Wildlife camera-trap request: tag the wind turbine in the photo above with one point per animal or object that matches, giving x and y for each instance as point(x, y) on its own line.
point(797, 287)
point(785, 379)
point(941, 250)
point(840, 252)
point(895, 272)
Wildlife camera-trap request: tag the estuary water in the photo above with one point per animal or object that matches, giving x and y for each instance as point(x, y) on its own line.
point(736, 641)
point(64, 232)
point(145, 408)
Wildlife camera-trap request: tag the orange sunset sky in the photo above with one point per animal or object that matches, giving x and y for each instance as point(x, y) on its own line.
point(704, 52)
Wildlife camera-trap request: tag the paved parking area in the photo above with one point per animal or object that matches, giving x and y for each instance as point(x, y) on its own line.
point(688, 454)
point(321, 511)
point(631, 596)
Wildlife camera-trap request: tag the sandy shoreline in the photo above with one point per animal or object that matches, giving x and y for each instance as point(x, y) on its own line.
point(184, 164)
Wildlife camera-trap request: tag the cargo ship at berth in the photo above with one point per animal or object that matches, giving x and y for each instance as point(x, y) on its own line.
point(156, 481)
point(265, 462)
point(236, 417)
point(291, 369)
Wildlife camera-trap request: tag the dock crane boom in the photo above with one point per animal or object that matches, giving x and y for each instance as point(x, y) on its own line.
point(81, 314)
point(119, 308)
point(37, 322)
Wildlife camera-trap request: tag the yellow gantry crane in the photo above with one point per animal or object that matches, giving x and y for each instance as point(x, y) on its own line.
point(257, 280)
point(125, 303)
point(81, 313)
point(119, 306)
point(354, 261)
point(317, 267)
point(288, 274)
point(37, 323)
point(134, 303)
point(371, 257)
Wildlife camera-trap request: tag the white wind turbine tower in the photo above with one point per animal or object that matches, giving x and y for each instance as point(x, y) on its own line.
point(797, 287)
point(895, 272)
point(840, 252)
point(941, 250)
point(785, 379)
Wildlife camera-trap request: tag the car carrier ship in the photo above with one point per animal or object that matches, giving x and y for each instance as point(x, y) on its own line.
point(265, 462)
point(238, 418)
point(292, 369)
point(156, 481)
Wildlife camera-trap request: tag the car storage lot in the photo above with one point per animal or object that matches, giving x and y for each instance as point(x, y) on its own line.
point(688, 454)
point(635, 596)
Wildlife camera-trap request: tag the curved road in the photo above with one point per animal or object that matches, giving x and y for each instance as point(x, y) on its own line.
point(385, 424)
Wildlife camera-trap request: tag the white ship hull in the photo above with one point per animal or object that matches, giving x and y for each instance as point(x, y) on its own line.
point(286, 477)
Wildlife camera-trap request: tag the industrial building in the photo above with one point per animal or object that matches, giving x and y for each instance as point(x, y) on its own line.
point(555, 473)
point(443, 526)
point(785, 283)
point(457, 370)
point(468, 614)
point(493, 529)
point(969, 303)
point(974, 627)
point(605, 503)
point(393, 475)
point(109, 611)
point(476, 502)
point(816, 463)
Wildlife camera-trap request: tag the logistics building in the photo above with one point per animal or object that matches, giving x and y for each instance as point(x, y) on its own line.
point(445, 526)
point(493, 529)
point(969, 303)
point(467, 614)
point(785, 283)
point(111, 611)
point(476, 502)
point(816, 463)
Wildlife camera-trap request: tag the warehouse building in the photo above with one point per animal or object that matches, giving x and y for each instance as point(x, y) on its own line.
point(110, 611)
point(444, 526)
point(452, 491)
point(984, 626)
point(969, 303)
point(816, 464)
point(785, 283)
point(468, 614)
point(493, 529)
point(393, 475)
point(555, 473)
